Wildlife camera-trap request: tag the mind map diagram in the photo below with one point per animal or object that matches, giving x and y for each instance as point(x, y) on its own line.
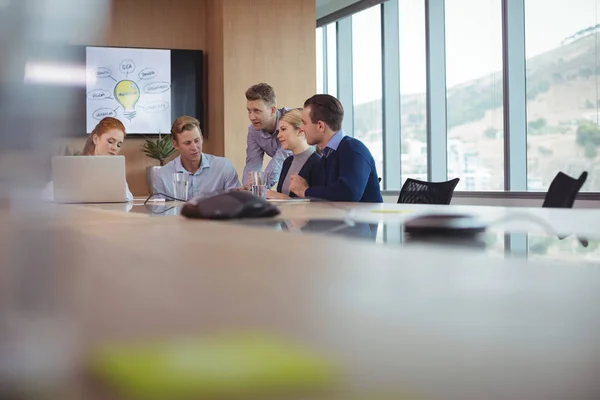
point(140, 95)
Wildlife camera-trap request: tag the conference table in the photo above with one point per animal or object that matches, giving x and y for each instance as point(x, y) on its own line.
point(401, 318)
point(536, 233)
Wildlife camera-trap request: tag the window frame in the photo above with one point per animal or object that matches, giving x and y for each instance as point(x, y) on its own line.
point(514, 93)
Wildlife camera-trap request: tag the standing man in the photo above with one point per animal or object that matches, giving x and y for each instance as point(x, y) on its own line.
point(207, 173)
point(348, 168)
point(262, 133)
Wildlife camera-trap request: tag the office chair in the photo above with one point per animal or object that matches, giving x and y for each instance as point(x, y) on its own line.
point(420, 192)
point(563, 190)
point(562, 193)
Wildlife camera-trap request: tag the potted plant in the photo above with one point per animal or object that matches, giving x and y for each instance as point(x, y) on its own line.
point(158, 149)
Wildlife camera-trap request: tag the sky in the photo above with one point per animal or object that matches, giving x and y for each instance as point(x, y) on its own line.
point(473, 39)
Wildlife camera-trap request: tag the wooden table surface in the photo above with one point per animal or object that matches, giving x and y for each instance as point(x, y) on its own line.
point(517, 219)
point(439, 322)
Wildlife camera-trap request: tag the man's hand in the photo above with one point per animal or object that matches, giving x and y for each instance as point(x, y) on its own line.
point(298, 185)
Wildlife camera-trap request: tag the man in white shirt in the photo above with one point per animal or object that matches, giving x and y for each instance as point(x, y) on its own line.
point(206, 173)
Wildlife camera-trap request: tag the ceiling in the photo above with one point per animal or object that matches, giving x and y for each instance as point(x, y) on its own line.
point(326, 7)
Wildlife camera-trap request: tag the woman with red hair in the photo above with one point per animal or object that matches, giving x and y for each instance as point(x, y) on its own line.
point(105, 140)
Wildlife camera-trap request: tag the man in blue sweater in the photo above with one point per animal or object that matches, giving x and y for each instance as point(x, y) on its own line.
point(347, 167)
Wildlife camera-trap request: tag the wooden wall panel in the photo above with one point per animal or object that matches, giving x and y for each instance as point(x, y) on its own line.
point(269, 41)
point(170, 24)
point(214, 84)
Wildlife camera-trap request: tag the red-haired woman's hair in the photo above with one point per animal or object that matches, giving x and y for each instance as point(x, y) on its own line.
point(105, 125)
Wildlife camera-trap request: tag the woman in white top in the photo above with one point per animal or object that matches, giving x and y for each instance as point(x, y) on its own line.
point(105, 140)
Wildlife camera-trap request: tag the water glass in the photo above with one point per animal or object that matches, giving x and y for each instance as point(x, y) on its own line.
point(180, 186)
point(257, 184)
point(259, 191)
point(256, 178)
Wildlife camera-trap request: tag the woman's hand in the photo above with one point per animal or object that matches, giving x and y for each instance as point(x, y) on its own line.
point(272, 194)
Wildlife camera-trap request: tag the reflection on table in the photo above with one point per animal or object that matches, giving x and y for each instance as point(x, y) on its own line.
point(388, 229)
point(162, 209)
point(357, 230)
point(539, 246)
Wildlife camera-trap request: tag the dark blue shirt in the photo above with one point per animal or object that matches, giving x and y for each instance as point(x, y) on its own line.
point(347, 173)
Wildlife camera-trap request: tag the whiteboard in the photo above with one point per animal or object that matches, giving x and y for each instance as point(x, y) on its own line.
point(133, 85)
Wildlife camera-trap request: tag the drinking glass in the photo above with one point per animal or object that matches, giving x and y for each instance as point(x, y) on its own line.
point(257, 184)
point(180, 186)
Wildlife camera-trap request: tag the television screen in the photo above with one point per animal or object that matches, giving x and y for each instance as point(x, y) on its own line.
point(133, 85)
point(144, 88)
point(76, 86)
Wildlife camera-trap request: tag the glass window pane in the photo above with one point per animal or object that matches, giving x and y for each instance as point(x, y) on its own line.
point(366, 81)
point(413, 87)
point(332, 59)
point(474, 93)
point(563, 132)
point(319, 35)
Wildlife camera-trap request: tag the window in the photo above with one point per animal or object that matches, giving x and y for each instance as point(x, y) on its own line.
point(562, 88)
point(367, 81)
point(332, 59)
point(474, 93)
point(563, 129)
point(413, 88)
point(320, 88)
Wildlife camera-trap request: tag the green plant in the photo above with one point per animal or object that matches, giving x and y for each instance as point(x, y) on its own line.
point(557, 77)
point(159, 149)
point(545, 151)
point(588, 132)
point(590, 150)
point(490, 133)
point(536, 125)
point(586, 72)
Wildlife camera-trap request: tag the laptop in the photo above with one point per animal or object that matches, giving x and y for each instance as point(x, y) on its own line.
point(89, 179)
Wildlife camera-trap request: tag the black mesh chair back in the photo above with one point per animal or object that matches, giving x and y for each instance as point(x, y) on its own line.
point(420, 192)
point(563, 190)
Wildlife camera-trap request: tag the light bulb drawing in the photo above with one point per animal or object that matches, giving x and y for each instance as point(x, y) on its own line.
point(127, 93)
point(139, 96)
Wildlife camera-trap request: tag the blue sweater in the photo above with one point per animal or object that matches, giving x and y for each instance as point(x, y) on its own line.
point(348, 174)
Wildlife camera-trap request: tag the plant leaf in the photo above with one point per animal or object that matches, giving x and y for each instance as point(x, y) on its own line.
point(158, 149)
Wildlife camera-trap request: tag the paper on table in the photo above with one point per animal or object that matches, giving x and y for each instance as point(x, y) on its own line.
point(289, 200)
